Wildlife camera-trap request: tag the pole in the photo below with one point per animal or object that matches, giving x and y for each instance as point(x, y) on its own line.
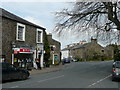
point(12, 58)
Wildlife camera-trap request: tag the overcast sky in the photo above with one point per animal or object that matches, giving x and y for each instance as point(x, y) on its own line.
point(41, 12)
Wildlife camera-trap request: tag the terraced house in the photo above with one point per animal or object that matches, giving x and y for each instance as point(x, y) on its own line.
point(22, 41)
point(55, 46)
point(89, 51)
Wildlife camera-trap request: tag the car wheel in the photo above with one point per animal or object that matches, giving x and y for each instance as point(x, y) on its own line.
point(113, 78)
point(23, 76)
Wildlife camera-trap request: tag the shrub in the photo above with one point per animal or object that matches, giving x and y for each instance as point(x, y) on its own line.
point(116, 53)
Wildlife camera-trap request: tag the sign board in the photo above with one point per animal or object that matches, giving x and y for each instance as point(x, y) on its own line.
point(21, 50)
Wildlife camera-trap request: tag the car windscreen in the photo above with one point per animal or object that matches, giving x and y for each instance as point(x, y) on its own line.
point(117, 64)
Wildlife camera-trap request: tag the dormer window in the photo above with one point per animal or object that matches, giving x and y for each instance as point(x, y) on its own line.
point(20, 32)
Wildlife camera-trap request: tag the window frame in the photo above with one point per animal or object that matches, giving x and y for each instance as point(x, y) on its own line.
point(39, 30)
point(22, 25)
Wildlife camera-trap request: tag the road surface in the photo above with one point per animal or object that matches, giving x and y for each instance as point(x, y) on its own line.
point(74, 75)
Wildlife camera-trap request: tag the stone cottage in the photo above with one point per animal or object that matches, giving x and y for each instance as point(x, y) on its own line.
point(109, 51)
point(55, 47)
point(22, 41)
point(85, 51)
point(88, 51)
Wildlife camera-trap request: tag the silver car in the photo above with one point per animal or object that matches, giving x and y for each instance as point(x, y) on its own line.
point(116, 71)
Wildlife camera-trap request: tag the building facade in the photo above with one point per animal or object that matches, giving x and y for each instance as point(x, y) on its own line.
point(55, 47)
point(22, 41)
point(85, 51)
point(65, 53)
point(88, 51)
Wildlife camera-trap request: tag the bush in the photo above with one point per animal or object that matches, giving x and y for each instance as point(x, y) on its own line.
point(46, 48)
point(116, 53)
point(48, 63)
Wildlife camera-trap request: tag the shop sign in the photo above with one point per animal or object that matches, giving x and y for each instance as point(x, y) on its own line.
point(20, 50)
point(16, 50)
point(24, 50)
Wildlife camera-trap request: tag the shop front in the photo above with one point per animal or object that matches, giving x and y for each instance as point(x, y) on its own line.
point(23, 57)
point(39, 55)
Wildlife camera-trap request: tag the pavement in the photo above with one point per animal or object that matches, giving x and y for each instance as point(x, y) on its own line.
point(52, 68)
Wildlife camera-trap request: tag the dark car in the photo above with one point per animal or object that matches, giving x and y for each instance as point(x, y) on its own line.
point(66, 60)
point(116, 70)
point(11, 72)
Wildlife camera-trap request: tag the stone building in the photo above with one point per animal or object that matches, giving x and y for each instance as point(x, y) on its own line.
point(55, 47)
point(88, 51)
point(109, 51)
point(66, 52)
point(22, 41)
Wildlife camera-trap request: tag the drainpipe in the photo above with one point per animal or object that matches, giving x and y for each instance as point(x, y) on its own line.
point(13, 46)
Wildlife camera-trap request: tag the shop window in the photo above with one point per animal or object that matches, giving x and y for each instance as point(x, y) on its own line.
point(20, 32)
point(39, 37)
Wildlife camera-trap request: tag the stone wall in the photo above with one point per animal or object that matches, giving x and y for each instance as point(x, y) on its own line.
point(9, 29)
point(90, 51)
point(57, 47)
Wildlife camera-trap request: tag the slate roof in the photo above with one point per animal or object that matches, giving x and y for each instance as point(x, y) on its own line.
point(81, 46)
point(11, 16)
point(66, 49)
point(78, 46)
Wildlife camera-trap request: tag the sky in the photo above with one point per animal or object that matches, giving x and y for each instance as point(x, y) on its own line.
point(41, 12)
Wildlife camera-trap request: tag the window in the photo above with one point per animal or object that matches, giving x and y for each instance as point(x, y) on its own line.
point(39, 37)
point(52, 47)
point(20, 32)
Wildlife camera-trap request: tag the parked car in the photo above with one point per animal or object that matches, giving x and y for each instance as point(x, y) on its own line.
point(116, 70)
point(66, 60)
point(11, 72)
point(75, 60)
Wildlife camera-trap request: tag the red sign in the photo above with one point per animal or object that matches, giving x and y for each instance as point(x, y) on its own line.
point(21, 51)
point(24, 50)
point(15, 52)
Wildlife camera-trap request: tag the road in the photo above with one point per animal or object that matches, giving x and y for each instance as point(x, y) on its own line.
point(73, 75)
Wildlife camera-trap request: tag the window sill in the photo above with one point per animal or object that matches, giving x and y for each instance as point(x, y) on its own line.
point(39, 42)
point(21, 40)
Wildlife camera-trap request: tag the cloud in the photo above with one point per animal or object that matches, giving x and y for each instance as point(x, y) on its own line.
point(34, 20)
point(37, 0)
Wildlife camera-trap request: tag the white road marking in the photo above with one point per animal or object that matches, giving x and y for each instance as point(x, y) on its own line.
point(100, 80)
point(51, 78)
point(14, 87)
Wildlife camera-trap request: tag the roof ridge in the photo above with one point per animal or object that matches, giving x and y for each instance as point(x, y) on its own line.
point(12, 16)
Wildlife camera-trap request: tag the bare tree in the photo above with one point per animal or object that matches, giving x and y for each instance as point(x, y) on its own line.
point(103, 17)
